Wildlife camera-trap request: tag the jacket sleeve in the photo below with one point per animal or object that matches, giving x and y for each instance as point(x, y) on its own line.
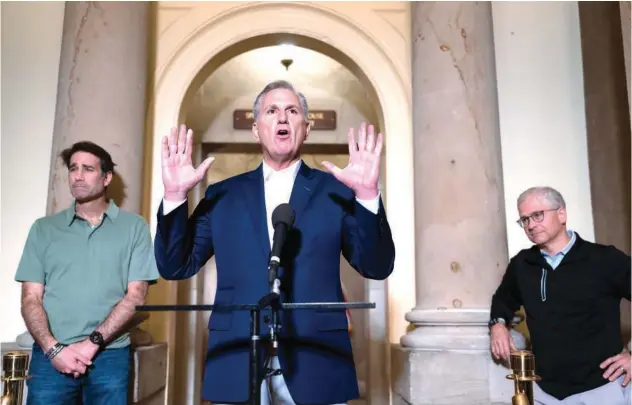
point(183, 245)
point(367, 243)
point(619, 272)
point(507, 300)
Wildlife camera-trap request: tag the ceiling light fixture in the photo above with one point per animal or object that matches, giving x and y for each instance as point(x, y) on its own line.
point(286, 55)
point(287, 63)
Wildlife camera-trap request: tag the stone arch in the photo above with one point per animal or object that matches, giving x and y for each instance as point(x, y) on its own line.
point(196, 43)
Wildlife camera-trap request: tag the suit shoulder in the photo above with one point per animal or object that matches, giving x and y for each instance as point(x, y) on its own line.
point(228, 183)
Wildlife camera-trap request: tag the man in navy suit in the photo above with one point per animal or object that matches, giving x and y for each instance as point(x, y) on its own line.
point(339, 211)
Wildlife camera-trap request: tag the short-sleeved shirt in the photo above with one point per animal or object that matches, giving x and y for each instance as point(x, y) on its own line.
point(85, 269)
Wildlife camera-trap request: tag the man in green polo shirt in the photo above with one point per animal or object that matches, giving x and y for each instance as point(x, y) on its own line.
point(83, 271)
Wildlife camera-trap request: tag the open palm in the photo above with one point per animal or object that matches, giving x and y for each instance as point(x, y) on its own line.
point(363, 171)
point(178, 174)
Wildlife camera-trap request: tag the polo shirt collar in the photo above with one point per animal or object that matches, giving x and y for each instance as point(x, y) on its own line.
point(566, 248)
point(111, 212)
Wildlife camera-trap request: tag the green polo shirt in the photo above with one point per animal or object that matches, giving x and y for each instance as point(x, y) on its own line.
point(85, 269)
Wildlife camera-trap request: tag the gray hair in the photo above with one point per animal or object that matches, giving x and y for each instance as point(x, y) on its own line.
point(551, 195)
point(279, 84)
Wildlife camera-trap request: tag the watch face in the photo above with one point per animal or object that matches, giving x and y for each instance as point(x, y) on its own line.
point(96, 338)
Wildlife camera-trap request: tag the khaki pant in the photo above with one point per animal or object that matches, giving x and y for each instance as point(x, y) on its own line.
point(610, 394)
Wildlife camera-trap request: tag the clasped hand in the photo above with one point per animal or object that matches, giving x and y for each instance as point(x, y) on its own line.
point(75, 358)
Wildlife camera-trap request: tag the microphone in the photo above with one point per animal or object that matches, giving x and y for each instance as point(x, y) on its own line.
point(283, 218)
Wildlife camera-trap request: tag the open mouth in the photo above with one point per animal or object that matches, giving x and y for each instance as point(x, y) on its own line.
point(283, 132)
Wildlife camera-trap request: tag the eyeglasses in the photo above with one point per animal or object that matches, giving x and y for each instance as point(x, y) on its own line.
point(537, 216)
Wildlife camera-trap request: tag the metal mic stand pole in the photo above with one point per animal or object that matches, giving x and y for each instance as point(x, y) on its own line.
point(275, 303)
point(255, 379)
point(272, 300)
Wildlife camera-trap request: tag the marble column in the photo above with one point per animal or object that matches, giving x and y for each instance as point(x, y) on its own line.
point(101, 94)
point(460, 214)
point(101, 97)
point(608, 128)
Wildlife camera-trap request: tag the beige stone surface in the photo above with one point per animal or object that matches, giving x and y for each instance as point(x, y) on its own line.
point(461, 242)
point(460, 223)
point(157, 398)
point(101, 93)
point(149, 371)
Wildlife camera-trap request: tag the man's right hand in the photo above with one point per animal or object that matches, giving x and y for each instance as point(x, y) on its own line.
point(502, 344)
point(178, 174)
point(69, 361)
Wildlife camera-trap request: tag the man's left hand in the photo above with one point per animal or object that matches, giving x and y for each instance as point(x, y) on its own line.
point(363, 171)
point(616, 366)
point(86, 348)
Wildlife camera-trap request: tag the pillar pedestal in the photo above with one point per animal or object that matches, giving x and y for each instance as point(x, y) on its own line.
point(449, 329)
point(446, 360)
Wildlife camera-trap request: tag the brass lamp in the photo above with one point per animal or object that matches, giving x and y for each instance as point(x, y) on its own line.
point(523, 366)
point(14, 375)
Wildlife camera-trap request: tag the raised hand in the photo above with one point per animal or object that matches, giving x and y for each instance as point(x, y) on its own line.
point(178, 174)
point(362, 173)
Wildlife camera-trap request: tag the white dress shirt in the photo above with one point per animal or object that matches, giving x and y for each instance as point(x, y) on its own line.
point(278, 186)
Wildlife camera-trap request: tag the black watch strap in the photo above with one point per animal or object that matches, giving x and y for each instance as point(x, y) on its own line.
point(494, 321)
point(97, 339)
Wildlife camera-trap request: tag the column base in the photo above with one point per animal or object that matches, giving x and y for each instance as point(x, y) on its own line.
point(24, 339)
point(446, 360)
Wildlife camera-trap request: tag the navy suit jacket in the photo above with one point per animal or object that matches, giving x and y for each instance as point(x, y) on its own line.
point(230, 222)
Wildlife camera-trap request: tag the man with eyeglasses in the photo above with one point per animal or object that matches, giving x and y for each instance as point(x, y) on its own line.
point(571, 290)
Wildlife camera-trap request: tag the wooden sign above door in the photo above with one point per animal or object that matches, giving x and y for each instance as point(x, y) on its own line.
point(322, 120)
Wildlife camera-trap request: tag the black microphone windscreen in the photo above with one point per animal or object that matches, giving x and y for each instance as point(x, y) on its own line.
point(283, 214)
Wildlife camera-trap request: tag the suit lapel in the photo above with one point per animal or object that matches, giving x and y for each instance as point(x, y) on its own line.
point(256, 201)
point(303, 190)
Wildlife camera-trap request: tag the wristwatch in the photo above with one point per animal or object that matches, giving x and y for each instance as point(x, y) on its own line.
point(494, 321)
point(97, 339)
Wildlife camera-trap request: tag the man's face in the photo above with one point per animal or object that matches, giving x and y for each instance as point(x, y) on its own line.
point(281, 127)
point(85, 177)
point(541, 221)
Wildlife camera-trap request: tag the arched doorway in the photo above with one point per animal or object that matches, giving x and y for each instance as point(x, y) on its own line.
point(196, 45)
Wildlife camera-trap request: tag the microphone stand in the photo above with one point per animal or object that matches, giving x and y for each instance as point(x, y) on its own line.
point(273, 299)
